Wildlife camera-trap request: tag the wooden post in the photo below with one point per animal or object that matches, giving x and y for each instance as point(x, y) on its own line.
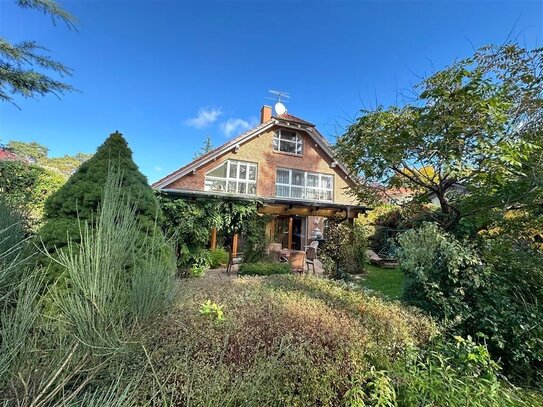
point(290, 223)
point(235, 245)
point(213, 244)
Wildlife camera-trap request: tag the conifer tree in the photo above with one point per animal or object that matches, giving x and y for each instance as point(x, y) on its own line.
point(79, 199)
point(206, 148)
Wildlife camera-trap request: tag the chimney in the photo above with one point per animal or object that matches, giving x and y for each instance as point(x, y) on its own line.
point(265, 114)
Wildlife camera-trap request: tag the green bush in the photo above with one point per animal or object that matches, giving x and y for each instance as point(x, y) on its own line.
point(196, 271)
point(344, 251)
point(79, 199)
point(359, 248)
point(455, 373)
point(26, 187)
point(494, 288)
point(255, 242)
point(263, 269)
point(219, 258)
point(441, 274)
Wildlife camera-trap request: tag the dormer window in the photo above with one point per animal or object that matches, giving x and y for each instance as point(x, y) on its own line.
point(235, 177)
point(286, 141)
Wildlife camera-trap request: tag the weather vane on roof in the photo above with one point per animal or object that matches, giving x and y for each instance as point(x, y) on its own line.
point(279, 107)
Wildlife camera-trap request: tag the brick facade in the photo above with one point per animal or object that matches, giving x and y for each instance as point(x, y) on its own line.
point(259, 150)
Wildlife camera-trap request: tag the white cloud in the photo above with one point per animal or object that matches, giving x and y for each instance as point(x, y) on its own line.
point(205, 116)
point(236, 126)
point(158, 169)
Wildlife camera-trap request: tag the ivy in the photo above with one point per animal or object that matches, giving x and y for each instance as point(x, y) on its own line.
point(189, 223)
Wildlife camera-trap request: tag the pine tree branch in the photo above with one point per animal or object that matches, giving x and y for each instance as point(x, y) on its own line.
point(53, 9)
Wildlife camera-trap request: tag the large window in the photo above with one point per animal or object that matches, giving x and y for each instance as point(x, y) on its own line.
point(235, 177)
point(288, 142)
point(303, 185)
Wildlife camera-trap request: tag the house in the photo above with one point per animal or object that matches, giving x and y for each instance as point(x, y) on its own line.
point(286, 165)
point(395, 196)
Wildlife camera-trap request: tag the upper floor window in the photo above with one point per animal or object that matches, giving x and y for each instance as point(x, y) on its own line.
point(236, 177)
point(288, 142)
point(304, 185)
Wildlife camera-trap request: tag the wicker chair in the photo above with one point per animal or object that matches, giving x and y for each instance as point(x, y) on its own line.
point(310, 256)
point(297, 260)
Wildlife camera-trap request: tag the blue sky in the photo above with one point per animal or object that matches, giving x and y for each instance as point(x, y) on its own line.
point(168, 73)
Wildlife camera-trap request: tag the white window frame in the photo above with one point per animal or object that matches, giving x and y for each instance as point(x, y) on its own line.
point(321, 192)
point(236, 179)
point(299, 142)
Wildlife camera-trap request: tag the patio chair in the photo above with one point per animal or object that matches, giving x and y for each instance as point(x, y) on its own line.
point(379, 261)
point(232, 260)
point(297, 260)
point(275, 247)
point(314, 244)
point(310, 256)
point(274, 250)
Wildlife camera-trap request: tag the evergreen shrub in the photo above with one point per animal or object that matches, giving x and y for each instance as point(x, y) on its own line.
point(79, 198)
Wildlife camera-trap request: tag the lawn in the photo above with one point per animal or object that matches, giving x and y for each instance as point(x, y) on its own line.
point(388, 282)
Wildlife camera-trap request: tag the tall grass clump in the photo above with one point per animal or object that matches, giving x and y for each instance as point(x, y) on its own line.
point(113, 278)
point(12, 238)
point(62, 345)
point(19, 291)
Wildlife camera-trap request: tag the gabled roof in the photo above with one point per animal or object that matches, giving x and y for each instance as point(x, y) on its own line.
point(285, 120)
point(293, 119)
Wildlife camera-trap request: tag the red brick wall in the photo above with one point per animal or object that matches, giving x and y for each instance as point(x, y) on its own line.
point(259, 150)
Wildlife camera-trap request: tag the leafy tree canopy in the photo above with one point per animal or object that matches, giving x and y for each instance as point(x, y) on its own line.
point(80, 197)
point(24, 66)
point(39, 154)
point(26, 188)
point(32, 151)
point(477, 123)
point(27, 183)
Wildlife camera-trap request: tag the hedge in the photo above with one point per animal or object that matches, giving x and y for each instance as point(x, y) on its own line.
point(263, 269)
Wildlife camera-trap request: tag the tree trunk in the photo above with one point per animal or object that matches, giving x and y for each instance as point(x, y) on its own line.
point(452, 215)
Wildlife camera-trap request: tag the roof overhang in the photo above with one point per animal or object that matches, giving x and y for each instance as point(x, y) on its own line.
point(278, 206)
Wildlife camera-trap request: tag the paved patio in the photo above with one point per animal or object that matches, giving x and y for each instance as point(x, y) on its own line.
point(220, 273)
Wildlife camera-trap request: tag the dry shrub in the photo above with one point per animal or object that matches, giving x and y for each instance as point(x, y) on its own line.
point(287, 339)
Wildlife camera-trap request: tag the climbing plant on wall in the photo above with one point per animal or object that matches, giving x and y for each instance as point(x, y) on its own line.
point(189, 223)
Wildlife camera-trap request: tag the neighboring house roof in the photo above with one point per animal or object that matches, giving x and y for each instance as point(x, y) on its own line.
point(285, 120)
point(8, 155)
point(455, 187)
